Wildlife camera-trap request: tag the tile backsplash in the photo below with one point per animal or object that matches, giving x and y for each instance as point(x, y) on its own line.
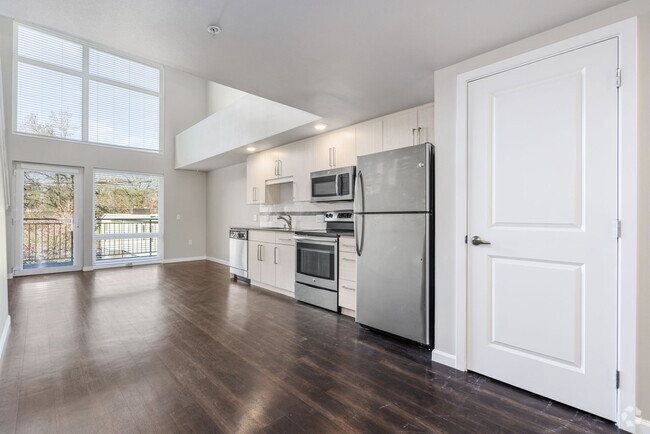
point(304, 215)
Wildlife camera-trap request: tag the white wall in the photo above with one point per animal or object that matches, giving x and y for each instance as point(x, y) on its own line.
point(445, 139)
point(226, 207)
point(4, 299)
point(185, 103)
point(220, 96)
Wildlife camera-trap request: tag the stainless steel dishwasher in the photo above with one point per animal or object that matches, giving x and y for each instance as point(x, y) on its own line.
point(239, 253)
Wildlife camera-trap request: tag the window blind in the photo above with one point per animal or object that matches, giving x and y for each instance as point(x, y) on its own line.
point(48, 103)
point(57, 79)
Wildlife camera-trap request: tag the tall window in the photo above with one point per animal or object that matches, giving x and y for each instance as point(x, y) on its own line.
point(69, 90)
point(127, 223)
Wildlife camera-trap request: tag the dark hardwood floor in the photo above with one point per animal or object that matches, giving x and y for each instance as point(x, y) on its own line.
point(181, 348)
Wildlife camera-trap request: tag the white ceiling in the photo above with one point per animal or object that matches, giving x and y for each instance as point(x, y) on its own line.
point(345, 60)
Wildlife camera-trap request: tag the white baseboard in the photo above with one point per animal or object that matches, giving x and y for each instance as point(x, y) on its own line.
point(348, 312)
point(642, 426)
point(443, 358)
point(192, 258)
point(218, 261)
point(5, 334)
point(272, 288)
point(87, 268)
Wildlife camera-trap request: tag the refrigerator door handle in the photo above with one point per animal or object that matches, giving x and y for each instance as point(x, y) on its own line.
point(358, 235)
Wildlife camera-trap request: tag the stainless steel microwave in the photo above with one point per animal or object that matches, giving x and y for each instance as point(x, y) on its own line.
point(333, 184)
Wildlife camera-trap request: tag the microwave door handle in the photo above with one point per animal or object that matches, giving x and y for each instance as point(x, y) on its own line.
point(337, 181)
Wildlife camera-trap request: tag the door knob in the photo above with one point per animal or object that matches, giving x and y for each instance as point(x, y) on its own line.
point(477, 241)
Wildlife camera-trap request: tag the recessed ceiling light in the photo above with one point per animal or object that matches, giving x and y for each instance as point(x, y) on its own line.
point(250, 149)
point(214, 30)
point(320, 126)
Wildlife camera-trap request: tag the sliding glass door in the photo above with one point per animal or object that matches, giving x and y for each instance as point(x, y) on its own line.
point(48, 219)
point(127, 225)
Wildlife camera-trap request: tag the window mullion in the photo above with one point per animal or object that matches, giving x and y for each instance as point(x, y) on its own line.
point(84, 93)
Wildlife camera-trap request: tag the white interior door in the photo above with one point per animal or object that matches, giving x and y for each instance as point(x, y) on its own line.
point(48, 218)
point(542, 300)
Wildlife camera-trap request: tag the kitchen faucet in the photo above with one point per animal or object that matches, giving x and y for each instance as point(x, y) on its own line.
point(287, 219)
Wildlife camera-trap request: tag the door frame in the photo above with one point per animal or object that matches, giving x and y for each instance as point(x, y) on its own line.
point(78, 241)
point(625, 32)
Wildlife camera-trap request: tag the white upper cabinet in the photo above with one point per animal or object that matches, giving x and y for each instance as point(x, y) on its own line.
point(425, 124)
point(295, 162)
point(400, 130)
point(283, 161)
point(335, 149)
point(258, 167)
point(302, 167)
point(369, 137)
point(407, 128)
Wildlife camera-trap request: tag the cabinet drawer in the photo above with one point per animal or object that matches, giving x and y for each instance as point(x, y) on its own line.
point(348, 294)
point(346, 244)
point(284, 238)
point(262, 236)
point(348, 266)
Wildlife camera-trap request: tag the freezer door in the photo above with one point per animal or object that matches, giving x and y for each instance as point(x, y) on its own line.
point(393, 282)
point(395, 181)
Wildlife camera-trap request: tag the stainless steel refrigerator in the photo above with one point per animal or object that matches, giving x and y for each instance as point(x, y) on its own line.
point(394, 240)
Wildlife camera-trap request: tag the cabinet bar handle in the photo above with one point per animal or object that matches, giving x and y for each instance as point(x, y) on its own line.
point(349, 260)
point(351, 246)
point(413, 133)
point(275, 255)
point(419, 135)
point(347, 287)
point(279, 167)
point(329, 152)
point(334, 156)
point(285, 239)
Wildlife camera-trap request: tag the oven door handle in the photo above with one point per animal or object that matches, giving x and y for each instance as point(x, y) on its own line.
point(322, 240)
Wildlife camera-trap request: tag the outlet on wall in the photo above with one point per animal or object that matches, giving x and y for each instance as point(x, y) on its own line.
point(189, 242)
point(178, 216)
point(254, 217)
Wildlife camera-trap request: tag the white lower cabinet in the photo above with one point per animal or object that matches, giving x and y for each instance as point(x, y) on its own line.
point(272, 259)
point(285, 267)
point(347, 276)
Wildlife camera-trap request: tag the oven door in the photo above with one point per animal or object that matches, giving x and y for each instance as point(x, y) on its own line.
point(317, 261)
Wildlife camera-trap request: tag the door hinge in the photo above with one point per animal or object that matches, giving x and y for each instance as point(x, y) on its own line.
point(465, 239)
point(618, 77)
point(618, 379)
point(618, 229)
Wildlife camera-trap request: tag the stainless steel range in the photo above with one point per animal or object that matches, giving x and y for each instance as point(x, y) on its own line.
point(317, 260)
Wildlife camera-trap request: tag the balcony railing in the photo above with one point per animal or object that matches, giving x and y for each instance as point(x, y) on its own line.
point(127, 245)
point(47, 242)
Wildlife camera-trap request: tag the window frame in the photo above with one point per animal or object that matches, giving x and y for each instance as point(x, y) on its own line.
point(86, 77)
point(159, 258)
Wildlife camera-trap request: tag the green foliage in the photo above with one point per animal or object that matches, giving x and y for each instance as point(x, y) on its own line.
point(48, 194)
point(125, 194)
